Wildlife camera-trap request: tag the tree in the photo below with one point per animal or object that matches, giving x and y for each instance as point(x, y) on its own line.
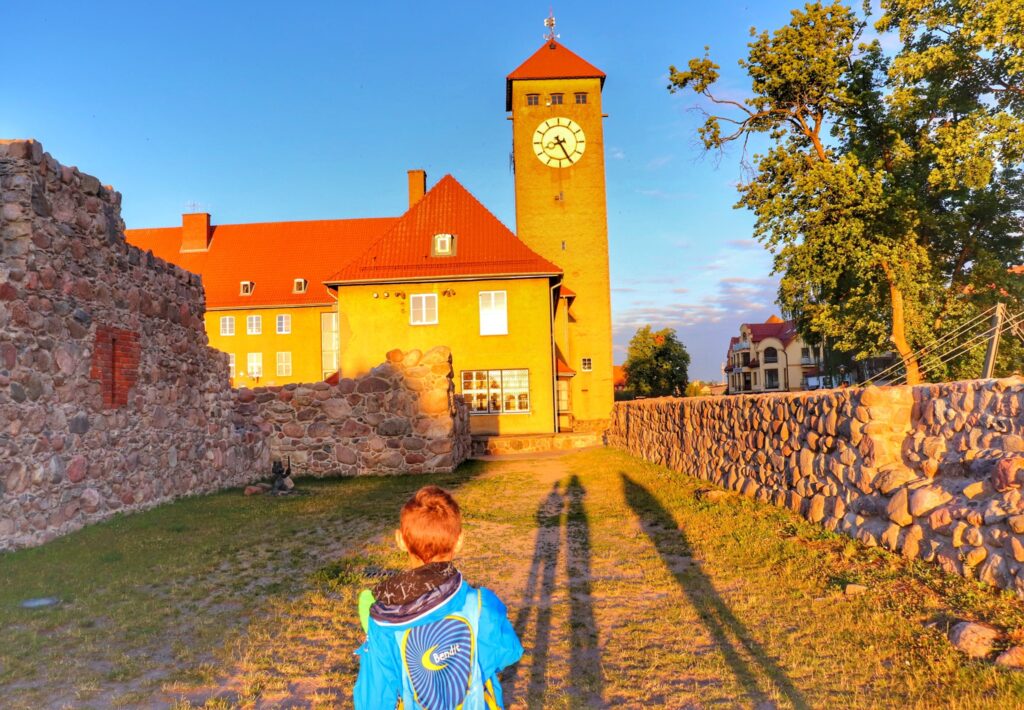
point(695, 389)
point(867, 196)
point(656, 363)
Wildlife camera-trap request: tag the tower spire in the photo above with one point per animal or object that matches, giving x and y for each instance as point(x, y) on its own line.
point(549, 22)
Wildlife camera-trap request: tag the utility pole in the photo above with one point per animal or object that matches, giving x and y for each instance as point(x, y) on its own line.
point(993, 341)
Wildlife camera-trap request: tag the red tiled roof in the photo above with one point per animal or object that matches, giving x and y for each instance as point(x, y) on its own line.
point(566, 292)
point(483, 246)
point(551, 61)
point(618, 375)
point(773, 328)
point(272, 255)
point(562, 368)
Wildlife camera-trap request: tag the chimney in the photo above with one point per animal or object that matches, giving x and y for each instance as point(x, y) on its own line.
point(195, 231)
point(417, 186)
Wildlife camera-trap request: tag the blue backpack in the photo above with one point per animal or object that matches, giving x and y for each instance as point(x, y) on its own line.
point(440, 668)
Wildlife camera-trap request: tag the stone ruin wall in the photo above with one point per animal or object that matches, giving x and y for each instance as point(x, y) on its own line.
point(112, 401)
point(933, 472)
point(110, 398)
point(401, 417)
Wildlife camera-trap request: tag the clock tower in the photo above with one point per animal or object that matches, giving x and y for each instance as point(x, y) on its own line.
point(558, 152)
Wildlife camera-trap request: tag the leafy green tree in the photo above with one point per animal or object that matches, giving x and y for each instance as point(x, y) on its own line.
point(656, 363)
point(885, 211)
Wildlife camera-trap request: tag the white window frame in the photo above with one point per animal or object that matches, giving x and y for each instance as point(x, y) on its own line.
point(245, 288)
point(254, 364)
point(254, 325)
point(284, 364)
point(493, 318)
point(418, 311)
point(231, 365)
point(286, 319)
point(489, 391)
point(444, 244)
point(300, 286)
point(587, 364)
point(227, 325)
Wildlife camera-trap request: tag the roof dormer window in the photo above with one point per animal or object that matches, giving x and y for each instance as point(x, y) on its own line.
point(443, 245)
point(300, 286)
point(245, 288)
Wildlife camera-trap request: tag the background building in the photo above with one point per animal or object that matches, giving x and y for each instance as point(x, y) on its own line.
point(772, 357)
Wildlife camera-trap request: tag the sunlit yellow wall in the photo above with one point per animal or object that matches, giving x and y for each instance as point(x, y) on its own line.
point(561, 214)
point(370, 327)
point(303, 343)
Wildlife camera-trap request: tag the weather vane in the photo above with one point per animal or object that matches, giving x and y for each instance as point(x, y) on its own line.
point(549, 22)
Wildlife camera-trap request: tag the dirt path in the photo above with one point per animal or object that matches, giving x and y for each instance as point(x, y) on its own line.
point(627, 591)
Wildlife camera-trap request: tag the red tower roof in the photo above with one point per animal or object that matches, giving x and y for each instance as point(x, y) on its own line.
point(481, 245)
point(552, 61)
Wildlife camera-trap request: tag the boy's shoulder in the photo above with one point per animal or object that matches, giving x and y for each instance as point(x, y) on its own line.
point(490, 602)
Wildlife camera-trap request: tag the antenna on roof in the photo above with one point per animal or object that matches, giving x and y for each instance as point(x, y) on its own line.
point(192, 206)
point(549, 22)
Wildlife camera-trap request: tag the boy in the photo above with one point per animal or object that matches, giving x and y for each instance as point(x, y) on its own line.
point(433, 641)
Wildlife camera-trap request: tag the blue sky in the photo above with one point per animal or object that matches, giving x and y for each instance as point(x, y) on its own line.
point(267, 111)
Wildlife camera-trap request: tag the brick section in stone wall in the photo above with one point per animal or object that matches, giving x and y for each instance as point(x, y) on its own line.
point(110, 398)
point(934, 472)
point(401, 417)
point(115, 364)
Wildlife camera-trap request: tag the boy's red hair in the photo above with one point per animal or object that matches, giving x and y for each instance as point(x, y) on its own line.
point(431, 523)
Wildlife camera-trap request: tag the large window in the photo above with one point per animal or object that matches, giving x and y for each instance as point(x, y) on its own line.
point(329, 346)
point(423, 309)
point(771, 355)
point(253, 325)
point(284, 324)
point(284, 364)
point(227, 325)
point(254, 364)
point(496, 391)
point(231, 365)
point(493, 313)
point(771, 379)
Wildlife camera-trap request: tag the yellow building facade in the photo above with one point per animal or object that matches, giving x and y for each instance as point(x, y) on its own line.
point(504, 373)
point(276, 346)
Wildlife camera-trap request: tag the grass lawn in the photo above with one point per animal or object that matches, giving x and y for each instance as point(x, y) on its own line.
point(627, 590)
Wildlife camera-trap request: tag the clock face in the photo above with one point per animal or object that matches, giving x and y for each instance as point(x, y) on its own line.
point(559, 142)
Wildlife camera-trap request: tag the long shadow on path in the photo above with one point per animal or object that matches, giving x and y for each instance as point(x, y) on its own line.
point(745, 656)
point(540, 585)
point(585, 674)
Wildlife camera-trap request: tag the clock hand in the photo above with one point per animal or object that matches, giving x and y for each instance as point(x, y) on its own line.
point(560, 142)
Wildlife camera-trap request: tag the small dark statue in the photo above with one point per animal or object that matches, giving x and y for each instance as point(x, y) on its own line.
point(281, 482)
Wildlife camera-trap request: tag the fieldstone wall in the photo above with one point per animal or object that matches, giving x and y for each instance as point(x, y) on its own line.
point(933, 472)
point(110, 398)
point(401, 417)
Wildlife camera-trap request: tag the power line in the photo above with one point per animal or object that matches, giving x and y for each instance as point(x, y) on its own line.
point(965, 347)
point(960, 330)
